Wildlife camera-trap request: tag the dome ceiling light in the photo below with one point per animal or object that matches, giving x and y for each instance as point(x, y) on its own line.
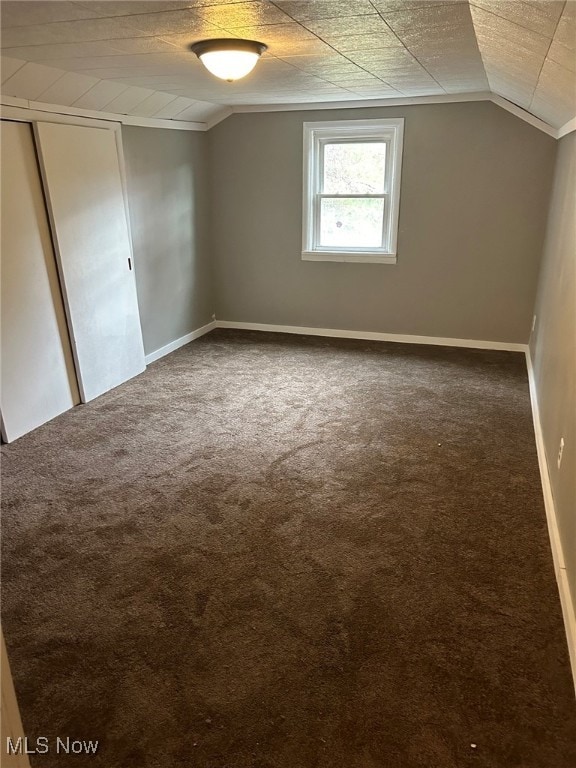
point(228, 58)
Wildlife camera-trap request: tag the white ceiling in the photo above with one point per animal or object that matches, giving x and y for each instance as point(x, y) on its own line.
point(132, 58)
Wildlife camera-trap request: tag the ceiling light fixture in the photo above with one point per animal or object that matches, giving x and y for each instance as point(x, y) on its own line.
point(228, 58)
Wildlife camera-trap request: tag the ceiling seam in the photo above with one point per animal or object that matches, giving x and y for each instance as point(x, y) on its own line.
point(478, 45)
point(516, 24)
point(405, 46)
point(98, 83)
point(547, 52)
point(112, 39)
point(107, 18)
point(471, 3)
point(332, 48)
point(23, 64)
point(64, 72)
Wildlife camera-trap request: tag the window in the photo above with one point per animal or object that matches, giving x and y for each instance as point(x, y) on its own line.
point(352, 190)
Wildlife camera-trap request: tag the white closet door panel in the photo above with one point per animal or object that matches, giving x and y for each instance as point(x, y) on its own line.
point(83, 187)
point(38, 378)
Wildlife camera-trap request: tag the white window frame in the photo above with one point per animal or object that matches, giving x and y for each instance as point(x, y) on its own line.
point(316, 136)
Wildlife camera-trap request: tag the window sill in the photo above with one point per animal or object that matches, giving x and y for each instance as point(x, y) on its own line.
point(351, 256)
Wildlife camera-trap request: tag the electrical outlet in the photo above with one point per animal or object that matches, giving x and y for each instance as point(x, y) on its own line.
point(560, 451)
point(533, 323)
point(213, 318)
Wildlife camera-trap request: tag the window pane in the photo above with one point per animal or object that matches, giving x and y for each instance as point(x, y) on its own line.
point(351, 222)
point(354, 168)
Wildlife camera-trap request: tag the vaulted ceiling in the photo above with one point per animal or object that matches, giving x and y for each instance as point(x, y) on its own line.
point(132, 57)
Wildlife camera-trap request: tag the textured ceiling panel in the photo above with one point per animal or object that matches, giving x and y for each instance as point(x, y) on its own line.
point(26, 13)
point(67, 32)
point(332, 29)
point(171, 23)
point(511, 89)
point(285, 39)
point(128, 100)
point(555, 95)
point(528, 50)
point(566, 30)
point(540, 16)
point(551, 101)
point(394, 6)
point(113, 8)
point(354, 43)
point(305, 10)
point(100, 95)
point(562, 55)
point(495, 32)
point(250, 14)
point(174, 108)
point(443, 40)
point(68, 88)
point(45, 53)
point(318, 50)
point(198, 111)
point(9, 67)
point(31, 80)
point(154, 103)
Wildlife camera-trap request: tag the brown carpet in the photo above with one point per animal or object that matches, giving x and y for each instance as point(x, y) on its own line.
point(272, 551)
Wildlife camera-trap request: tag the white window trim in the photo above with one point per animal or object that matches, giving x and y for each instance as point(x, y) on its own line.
point(389, 130)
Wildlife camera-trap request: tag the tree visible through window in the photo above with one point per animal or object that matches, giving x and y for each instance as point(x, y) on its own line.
point(351, 168)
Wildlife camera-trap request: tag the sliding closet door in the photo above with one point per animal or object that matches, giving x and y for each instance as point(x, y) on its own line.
point(38, 378)
point(85, 200)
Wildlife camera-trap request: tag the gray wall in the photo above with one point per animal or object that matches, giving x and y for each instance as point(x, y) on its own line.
point(475, 190)
point(553, 348)
point(167, 193)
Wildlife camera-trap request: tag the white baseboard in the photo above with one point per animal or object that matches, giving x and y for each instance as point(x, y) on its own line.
point(180, 342)
point(568, 607)
point(375, 336)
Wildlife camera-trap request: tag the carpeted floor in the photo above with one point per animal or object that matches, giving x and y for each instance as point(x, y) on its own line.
point(273, 551)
